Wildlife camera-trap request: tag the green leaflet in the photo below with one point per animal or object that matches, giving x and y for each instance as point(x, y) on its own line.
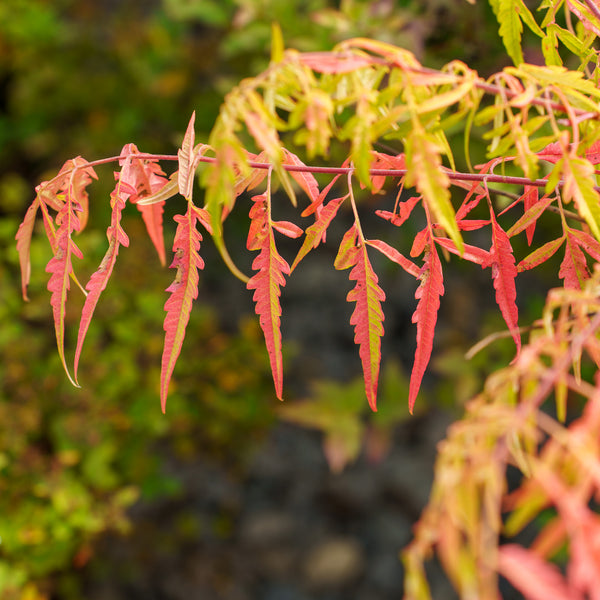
point(425, 172)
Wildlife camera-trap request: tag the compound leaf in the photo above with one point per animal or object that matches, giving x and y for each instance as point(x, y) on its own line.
point(184, 290)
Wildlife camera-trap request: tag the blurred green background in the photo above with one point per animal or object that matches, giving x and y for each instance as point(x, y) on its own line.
point(84, 77)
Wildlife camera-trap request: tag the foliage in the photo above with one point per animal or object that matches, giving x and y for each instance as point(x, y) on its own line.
point(540, 123)
point(64, 482)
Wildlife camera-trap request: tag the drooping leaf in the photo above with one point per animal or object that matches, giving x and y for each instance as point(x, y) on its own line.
point(271, 270)
point(502, 261)
point(315, 233)
point(425, 316)
point(573, 269)
point(346, 255)
point(60, 267)
point(23, 238)
point(184, 290)
point(147, 180)
point(367, 317)
point(98, 281)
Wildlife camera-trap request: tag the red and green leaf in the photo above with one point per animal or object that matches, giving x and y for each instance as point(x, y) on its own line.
point(540, 255)
point(184, 290)
point(367, 317)
point(60, 267)
point(425, 316)
point(267, 282)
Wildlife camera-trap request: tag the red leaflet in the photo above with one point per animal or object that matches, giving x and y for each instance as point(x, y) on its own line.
point(504, 272)
point(184, 290)
point(385, 161)
point(367, 317)
point(267, 282)
point(395, 256)
point(428, 294)
point(589, 243)
point(146, 178)
point(405, 210)
point(316, 232)
point(471, 253)
point(531, 196)
point(573, 269)
point(554, 152)
point(316, 204)
point(287, 228)
point(98, 281)
point(60, 268)
point(534, 208)
point(305, 179)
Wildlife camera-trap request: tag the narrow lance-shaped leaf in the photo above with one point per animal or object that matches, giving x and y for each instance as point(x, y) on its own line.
point(266, 283)
point(184, 290)
point(98, 281)
point(573, 269)
point(367, 317)
point(60, 268)
point(504, 272)
point(425, 316)
point(23, 238)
